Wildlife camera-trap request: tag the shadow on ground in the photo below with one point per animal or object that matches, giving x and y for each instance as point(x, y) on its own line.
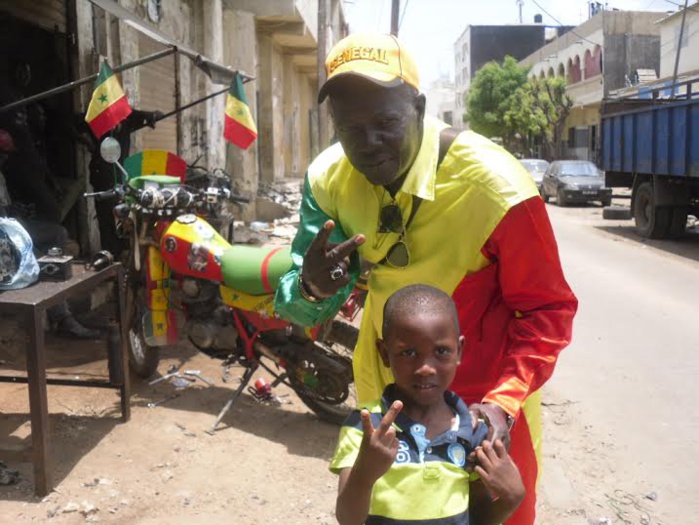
point(686, 246)
point(71, 438)
point(80, 418)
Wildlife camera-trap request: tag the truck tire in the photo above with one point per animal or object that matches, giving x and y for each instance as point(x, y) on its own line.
point(616, 213)
point(678, 221)
point(652, 221)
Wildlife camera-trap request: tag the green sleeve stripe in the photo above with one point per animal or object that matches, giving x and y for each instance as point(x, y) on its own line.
point(289, 303)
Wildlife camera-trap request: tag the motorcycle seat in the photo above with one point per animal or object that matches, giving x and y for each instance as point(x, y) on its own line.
point(255, 270)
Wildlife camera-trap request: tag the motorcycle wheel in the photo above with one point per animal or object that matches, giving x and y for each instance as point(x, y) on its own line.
point(143, 359)
point(339, 345)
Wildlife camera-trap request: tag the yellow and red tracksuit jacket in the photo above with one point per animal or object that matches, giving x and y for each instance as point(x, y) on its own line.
point(480, 234)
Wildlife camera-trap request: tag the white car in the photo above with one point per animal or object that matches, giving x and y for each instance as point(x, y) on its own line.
point(537, 168)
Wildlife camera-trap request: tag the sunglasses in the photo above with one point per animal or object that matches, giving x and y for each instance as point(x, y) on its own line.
point(391, 221)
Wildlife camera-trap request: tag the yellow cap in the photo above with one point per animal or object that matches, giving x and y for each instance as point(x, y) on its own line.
point(376, 56)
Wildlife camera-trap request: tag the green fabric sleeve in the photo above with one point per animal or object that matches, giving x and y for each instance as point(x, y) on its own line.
point(289, 303)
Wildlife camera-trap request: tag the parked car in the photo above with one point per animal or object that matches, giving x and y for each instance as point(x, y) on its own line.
point(575, 181)
point(537, 168)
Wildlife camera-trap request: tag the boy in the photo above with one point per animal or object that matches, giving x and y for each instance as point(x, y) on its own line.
point(402, 458)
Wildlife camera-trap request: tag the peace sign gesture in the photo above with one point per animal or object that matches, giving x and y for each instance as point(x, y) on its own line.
point(379, 445)
point(325, 264)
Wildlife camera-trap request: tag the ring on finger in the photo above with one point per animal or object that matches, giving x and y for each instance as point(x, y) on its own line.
point(337, 272)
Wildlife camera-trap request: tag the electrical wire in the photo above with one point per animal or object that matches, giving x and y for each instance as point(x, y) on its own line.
point(560, 23)
point(405, 8)
point(685, 37)
point(689, 7)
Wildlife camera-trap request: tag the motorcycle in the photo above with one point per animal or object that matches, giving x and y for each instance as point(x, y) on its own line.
point(184, 279)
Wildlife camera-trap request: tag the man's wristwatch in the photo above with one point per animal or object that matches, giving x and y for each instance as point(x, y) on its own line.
point(305, 292)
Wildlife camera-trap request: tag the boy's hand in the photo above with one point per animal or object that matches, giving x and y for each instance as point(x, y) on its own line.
point(499, 473)
point(379, 445)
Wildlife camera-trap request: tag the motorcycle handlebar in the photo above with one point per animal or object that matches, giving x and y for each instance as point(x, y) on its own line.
point(104, 195)
point(182, 197)
point(176, 197)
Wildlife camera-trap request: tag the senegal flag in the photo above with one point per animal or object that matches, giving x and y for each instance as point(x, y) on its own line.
point(109, 105)
point(240, 129)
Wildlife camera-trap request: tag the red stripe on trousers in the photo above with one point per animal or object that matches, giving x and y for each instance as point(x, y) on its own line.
point(264, 271)
point(522, 452)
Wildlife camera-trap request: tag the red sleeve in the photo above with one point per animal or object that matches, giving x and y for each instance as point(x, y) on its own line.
point(534, 288)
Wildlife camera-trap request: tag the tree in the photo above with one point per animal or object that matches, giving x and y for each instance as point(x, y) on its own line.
point(488, 98)
point(539, 109)
point(503, 102)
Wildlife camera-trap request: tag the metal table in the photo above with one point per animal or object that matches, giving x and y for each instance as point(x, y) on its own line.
point(30, 303)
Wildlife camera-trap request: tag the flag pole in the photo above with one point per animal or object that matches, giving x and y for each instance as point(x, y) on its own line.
point(77, 83)
point(174, 112)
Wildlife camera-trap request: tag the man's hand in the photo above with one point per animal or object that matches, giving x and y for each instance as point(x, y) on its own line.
point(325, 260)
point(496, 419)
point(499, 473)
point(379, 446)
point(153, 117)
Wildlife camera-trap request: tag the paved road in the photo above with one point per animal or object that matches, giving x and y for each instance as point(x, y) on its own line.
point(631, 375)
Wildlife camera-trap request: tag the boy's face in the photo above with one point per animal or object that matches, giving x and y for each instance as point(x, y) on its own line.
point(423, 352)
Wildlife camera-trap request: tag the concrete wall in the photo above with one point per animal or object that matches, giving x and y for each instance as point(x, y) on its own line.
point(270, 74)
point(440, 95)
point(462, 75)
point(281, 98)
point(625, 53)
point(240, 52)
point(669, 37)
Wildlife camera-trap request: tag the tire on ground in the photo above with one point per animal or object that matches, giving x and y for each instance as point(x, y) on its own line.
point(616, 213)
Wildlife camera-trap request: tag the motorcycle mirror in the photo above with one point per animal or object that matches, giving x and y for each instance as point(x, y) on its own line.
point(110, 150)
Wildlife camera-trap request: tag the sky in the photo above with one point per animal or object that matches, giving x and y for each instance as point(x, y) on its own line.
point(429, 28)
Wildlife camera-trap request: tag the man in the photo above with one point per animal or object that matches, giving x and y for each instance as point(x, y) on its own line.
point(472, 225)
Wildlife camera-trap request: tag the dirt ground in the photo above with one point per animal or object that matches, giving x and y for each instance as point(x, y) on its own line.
point(265, 464)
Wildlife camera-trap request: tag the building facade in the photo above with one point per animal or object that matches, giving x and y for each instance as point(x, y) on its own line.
point(671, 49)
point(479, 45)
point(440, 100)
point(202, 42)
point(598, 57)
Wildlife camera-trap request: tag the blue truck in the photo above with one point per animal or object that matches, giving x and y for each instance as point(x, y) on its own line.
point(650, 144)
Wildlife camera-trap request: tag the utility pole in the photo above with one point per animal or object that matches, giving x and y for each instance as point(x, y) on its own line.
point(323, 115)
point(395, 8)
point(520, 3)
point(679, 46)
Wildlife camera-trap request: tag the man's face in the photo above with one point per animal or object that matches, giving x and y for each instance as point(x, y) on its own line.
point(423, 353)
point(380, 129)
